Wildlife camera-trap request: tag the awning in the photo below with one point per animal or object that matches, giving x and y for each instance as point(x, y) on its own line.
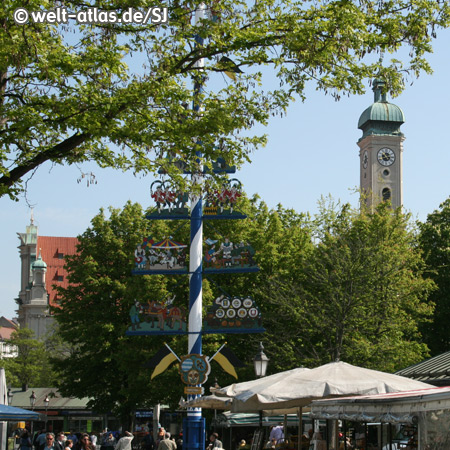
point(394, 407)
point(12, 413)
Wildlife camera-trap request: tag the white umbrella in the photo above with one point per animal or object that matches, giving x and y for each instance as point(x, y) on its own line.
point(259, 384)
point(330, 380)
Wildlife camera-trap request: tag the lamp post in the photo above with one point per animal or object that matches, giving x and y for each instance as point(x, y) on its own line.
point(260, 362)
point(10, 396)
point(46, 402)
point(32, 404)
point(32, 400)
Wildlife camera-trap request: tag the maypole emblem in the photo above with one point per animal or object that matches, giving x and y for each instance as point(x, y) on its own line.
point(194, 370)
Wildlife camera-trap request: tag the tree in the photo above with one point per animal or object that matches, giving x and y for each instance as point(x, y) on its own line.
point(435, 243)
point(359, 296)
point(103, 363)
point(32, 365)
point(72, 93)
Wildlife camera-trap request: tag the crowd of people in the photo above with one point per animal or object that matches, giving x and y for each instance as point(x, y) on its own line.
point(107, 440)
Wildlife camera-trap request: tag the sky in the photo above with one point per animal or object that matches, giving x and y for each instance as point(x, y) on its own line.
point(312, 152)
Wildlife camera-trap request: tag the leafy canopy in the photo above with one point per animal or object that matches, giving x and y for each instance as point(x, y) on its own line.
point(358, 296)
point(435, 243)
point(118, 94)
point(32, 365)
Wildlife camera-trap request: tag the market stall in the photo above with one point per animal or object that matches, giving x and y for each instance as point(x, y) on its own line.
point(423, 417)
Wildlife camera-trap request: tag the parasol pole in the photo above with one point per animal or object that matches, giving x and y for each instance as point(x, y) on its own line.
point(300, 427)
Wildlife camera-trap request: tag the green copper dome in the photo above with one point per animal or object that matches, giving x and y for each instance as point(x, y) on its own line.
point(382, 117)
point(39, 263)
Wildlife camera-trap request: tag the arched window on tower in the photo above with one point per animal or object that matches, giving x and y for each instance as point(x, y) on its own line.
point(386, 194)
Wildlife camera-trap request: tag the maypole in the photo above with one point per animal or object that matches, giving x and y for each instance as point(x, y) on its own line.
point(228, 313)
point(194, 425)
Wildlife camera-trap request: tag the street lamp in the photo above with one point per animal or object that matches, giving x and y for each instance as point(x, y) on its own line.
point(32, 403)
point(10, 396)
point(260, 361)
point(46, 402)
point(32, 400)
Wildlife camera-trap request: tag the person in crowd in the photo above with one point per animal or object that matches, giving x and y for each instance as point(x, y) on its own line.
point(84, 443)
point(40, 440)
point(17, 433)
point(93, 438)
point(124, 442)
point(160, 437)
point(49, 441)
point(102, 436)
point(277, 434)
point(148, 442)
point(25, 441)
point(167, 443)
point(72, 435)
point(69, 444)
point(214, 441)
point(109, 442)
point(346, 445)
point(60, 442)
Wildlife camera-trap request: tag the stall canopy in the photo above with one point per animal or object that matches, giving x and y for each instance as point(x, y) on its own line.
point(297, 388)
point(11, 413)
point(260, 383)
point(395, 407)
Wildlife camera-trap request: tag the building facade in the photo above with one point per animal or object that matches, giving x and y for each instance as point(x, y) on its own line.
point(381, 151)
point(42, 269)
point(7, 327)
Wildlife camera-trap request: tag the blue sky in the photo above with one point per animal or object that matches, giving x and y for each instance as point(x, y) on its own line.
point(311, 152)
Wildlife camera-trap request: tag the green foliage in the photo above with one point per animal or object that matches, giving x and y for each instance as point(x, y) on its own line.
point(346, 284)
point(32, 365)
point(359, 296)
point(435, 242)
point(117, 94)
point(103, 362)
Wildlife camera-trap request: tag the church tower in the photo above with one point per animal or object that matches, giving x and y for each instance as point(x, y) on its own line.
point(381, 150)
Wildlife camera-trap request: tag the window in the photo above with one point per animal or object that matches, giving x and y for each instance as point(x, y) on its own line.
point(60, 278)
point(386, 194)
point(60, 255)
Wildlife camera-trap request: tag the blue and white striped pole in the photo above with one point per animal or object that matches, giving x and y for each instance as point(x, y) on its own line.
point(194, 428)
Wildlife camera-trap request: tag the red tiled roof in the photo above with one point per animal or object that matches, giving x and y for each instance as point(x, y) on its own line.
point(53, 249)
point(5, 333)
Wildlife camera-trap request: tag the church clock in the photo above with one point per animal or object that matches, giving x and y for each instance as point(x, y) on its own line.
point(386, 156)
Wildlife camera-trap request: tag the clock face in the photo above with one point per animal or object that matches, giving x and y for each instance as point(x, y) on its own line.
point(365, 160)
point(386, 156)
